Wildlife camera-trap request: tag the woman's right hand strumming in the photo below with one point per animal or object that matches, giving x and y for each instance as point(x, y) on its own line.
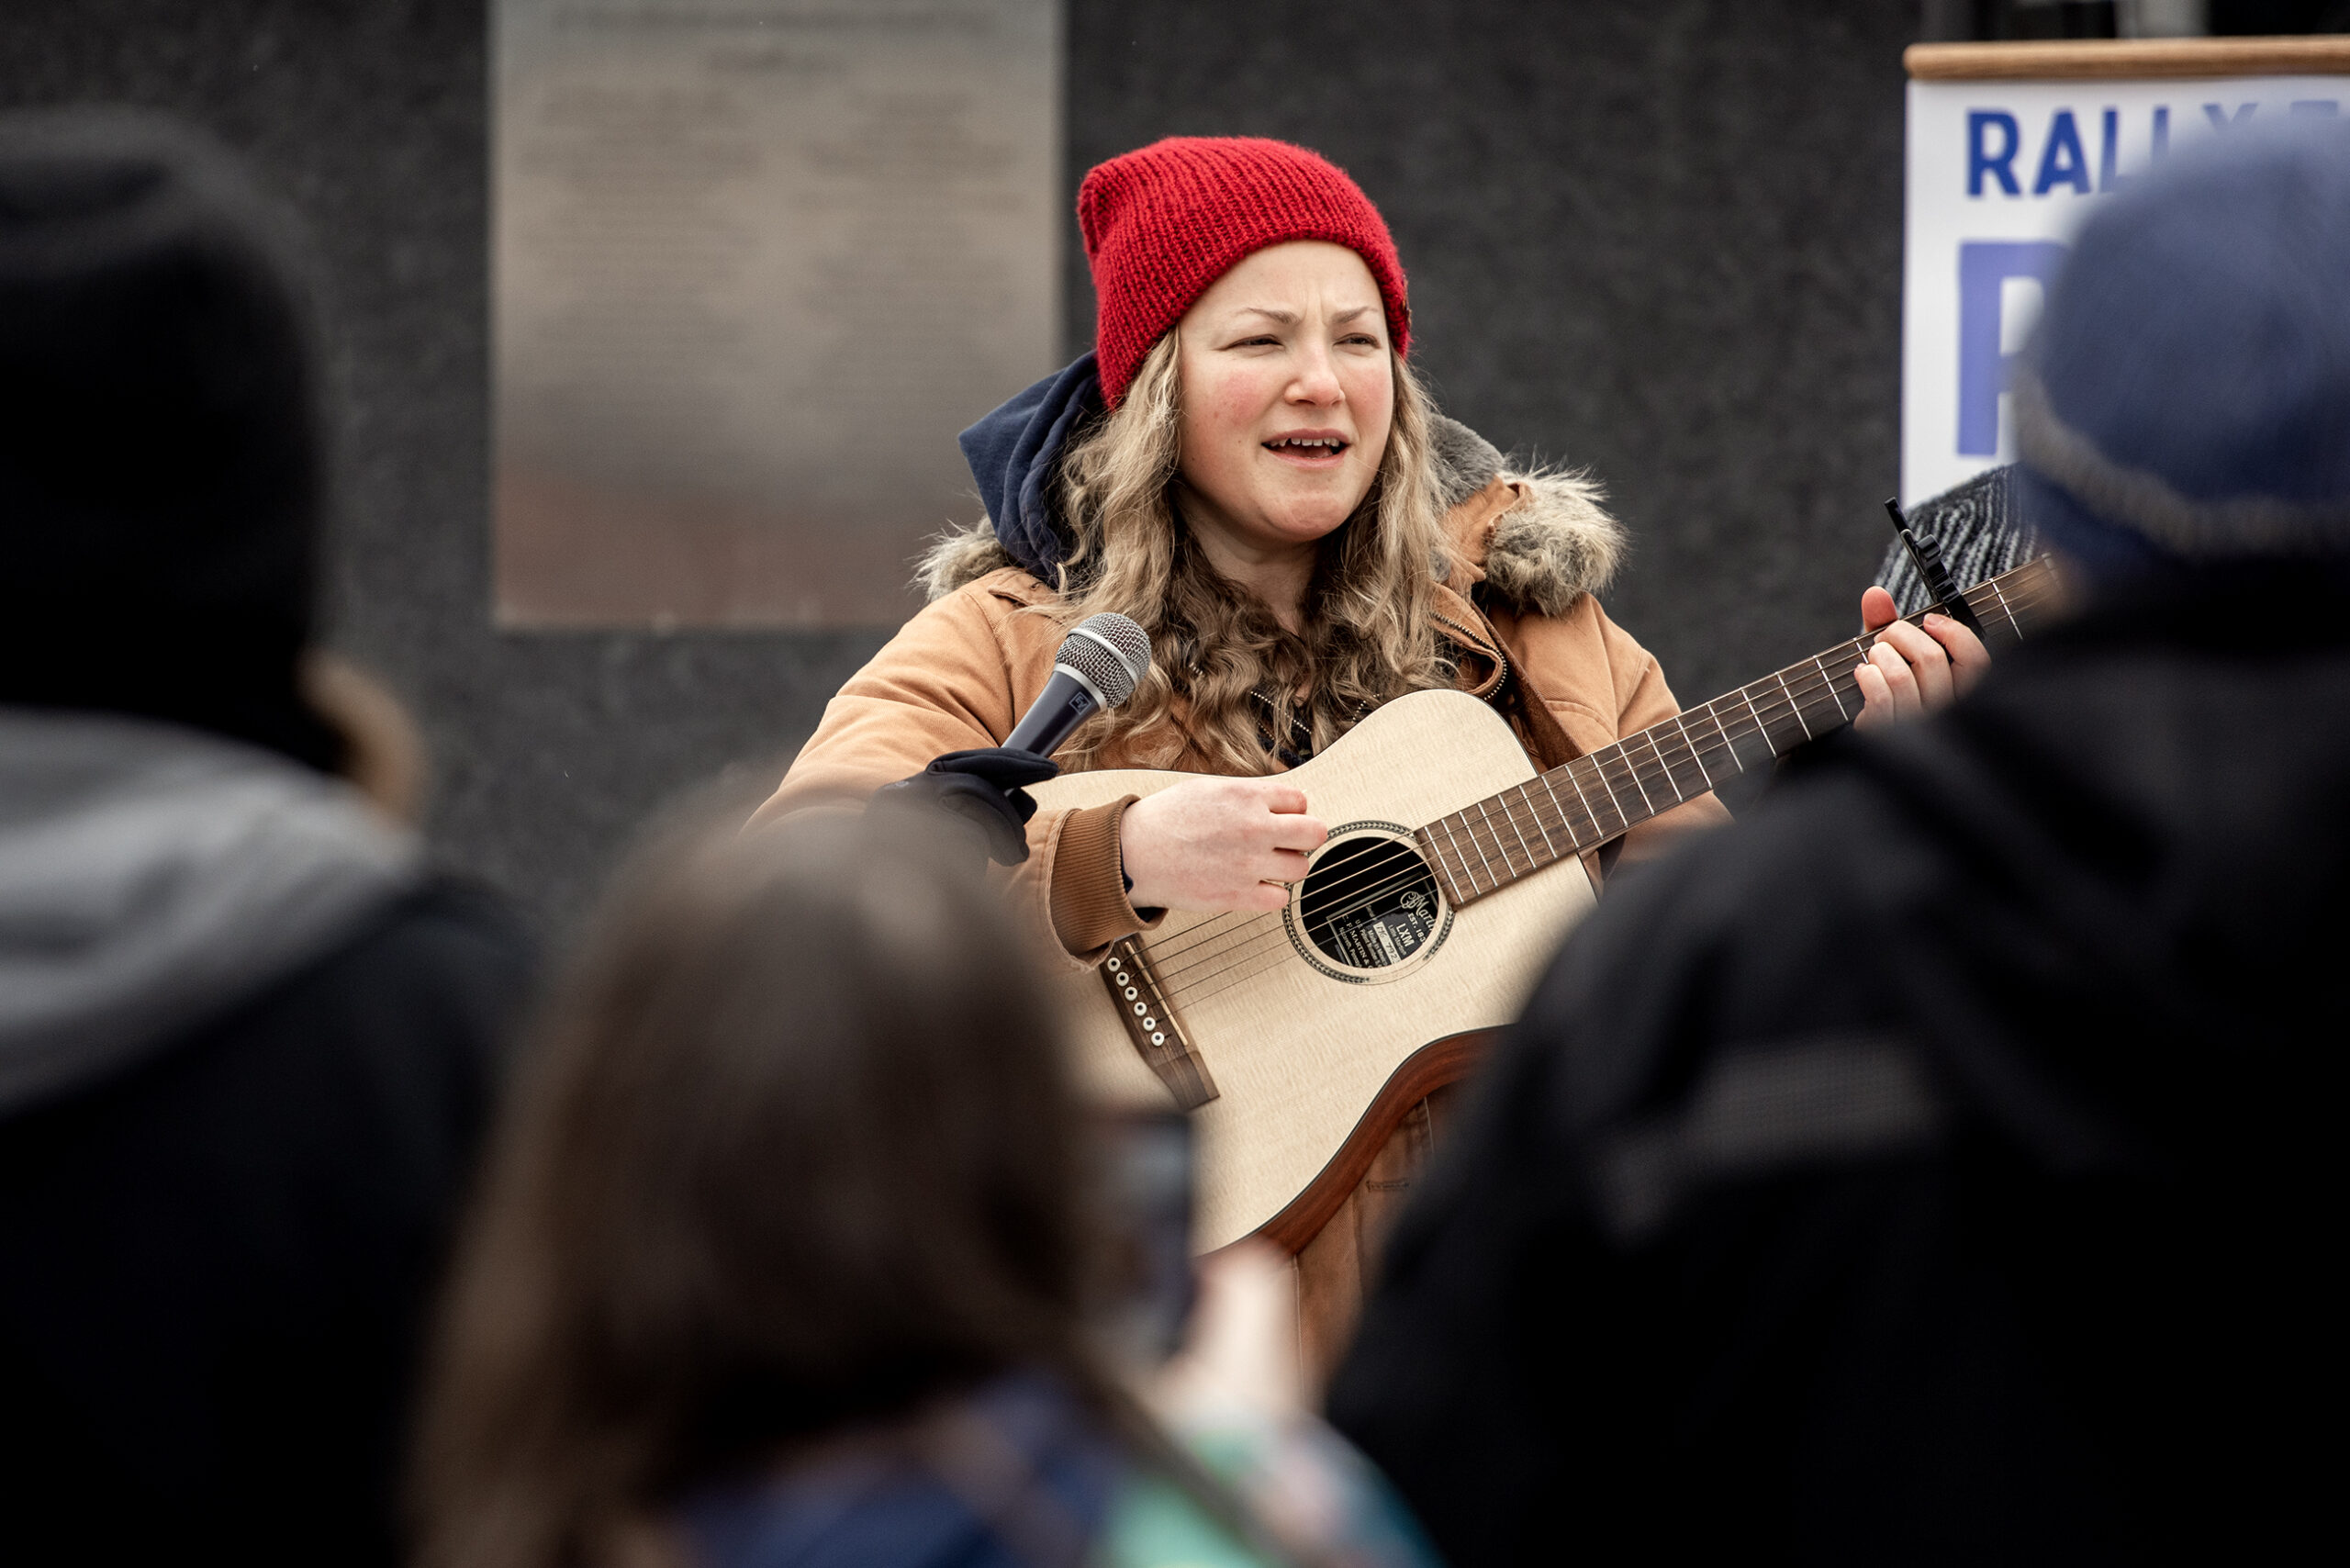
point(1218, 844)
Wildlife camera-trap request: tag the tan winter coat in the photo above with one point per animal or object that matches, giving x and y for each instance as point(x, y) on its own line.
point(1527, 552)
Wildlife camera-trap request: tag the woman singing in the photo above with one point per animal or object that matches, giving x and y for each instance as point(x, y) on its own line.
point(1246, 466)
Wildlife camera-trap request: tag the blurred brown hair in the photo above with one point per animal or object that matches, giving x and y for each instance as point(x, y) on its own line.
point(796, 1151)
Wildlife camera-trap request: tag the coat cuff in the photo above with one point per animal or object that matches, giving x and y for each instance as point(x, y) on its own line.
point(1090, 906)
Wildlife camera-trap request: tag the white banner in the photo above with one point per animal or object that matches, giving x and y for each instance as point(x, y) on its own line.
point(2001, 176)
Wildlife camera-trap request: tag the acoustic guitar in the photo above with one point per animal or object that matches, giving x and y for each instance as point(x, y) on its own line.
point(1299, 1037)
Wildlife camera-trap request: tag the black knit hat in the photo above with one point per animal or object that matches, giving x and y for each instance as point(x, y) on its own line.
point(161, 458)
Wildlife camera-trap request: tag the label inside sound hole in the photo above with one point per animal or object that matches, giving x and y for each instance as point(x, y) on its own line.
point(1370, 903)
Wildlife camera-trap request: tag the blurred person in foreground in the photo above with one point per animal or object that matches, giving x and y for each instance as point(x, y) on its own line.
point(1941, 1166)
point(245, 1038)
point(790, 1254)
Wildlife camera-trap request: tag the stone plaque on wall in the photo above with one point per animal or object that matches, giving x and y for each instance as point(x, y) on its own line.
point(755, 263)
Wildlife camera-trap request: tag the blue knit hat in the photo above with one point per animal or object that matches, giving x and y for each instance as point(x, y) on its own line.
point(2185, 401)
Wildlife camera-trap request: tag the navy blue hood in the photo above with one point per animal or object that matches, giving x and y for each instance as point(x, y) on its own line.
point(2189, 388)
point(1011, 452)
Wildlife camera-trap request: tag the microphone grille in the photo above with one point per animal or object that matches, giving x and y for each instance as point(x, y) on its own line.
point(1110, 651)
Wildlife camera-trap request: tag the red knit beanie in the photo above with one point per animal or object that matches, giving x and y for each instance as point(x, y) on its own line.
point(1164, 221)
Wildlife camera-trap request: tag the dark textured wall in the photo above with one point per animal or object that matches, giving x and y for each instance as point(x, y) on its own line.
point(1657, 237)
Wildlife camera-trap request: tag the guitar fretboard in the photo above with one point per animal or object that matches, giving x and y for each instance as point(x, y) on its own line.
point(1599, 796)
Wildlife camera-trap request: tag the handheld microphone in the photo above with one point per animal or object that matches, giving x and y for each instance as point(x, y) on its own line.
point(1100, 662)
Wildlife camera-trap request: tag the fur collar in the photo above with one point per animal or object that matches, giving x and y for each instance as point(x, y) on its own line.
point(1540, 554)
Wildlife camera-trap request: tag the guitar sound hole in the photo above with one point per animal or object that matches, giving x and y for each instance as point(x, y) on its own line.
point(1368, 904)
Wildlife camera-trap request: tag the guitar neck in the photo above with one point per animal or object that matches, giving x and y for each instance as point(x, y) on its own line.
point(1599, 796)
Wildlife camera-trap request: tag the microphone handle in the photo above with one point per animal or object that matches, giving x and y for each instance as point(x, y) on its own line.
point(1065, 703)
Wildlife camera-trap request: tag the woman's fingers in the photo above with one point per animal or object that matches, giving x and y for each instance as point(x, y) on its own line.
point(1968, 657)
point(1912, 681)
point(1297, 833)
point(1286, 866)
point(1913, 668)
point(1282, 798)
point(1902, 647)
point(1263, 896)
point(1888, 687)
point(1218, 844)
point(1876, 695)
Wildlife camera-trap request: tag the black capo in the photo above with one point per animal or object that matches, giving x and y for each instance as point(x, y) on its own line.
point(1942, 594)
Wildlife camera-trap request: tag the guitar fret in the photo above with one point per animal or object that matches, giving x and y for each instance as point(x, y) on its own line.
point(1480, 849)
point(1566, 823)
point(1590, 811)
point(1428, 841)
point(1679, 794)
point(1722, 738)
point(1848, 682)
point(1600, 773)
point(1782, 679)
point(1642, 772)
point(1483, 872)
point(1700, 761)
point(1443, 862)
point(1509, 815)
point(1476, 840)
point(1781, 730)
point(1624, 758)
point(2014, 628)
point(1534, 812)
point(1832, 687)
point(1628, 758)
point(1516, 836)
point(1500, 846)
point(1754, 716)
point(1447, 824)
point(1771, 742)
point(1466, 873)
point(1697, 742)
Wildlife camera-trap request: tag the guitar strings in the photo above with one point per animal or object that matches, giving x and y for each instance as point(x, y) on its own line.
point(1244, 957)
point(1244, 964)
point(1800, 696)
point(1814, 684)
point(1640, 773)
point(1242, 949)
point(1796, 698)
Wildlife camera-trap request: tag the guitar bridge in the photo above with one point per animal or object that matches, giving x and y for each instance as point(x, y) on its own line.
point(1132, 982)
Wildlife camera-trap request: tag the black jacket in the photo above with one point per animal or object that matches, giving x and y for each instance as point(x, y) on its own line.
point(1940, 1166)
point(214, 1266)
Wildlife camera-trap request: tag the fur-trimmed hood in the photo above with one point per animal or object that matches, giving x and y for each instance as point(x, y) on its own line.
point(1540, 554)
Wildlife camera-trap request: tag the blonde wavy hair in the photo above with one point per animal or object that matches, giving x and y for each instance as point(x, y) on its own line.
point(1225, 673)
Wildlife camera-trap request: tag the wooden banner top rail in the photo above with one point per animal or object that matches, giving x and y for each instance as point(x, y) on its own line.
point(2134, 59)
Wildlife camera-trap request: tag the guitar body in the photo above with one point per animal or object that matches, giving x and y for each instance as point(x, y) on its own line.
point(1303, 1018)
point(1297, 1039)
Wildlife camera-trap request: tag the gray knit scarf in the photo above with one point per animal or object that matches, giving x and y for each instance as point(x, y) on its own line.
point(1980, 529)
